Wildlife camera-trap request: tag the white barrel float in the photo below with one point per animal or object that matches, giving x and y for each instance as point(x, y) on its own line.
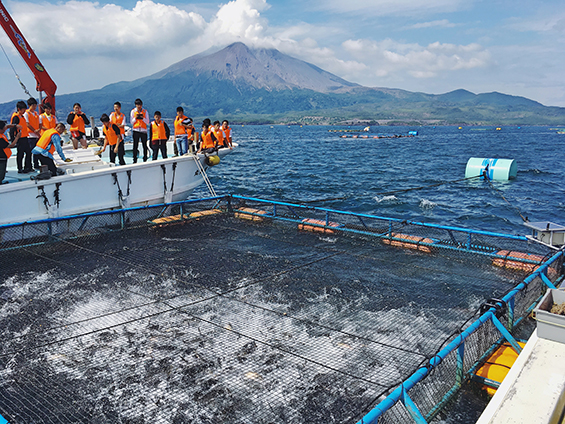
point(497, 169)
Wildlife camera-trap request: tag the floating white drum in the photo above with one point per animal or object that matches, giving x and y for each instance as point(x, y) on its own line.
point(497, 169)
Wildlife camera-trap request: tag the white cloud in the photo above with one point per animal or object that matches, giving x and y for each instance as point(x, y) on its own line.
point(74, 27)
point(442, 23)
point(400, 60)
point(392, 7)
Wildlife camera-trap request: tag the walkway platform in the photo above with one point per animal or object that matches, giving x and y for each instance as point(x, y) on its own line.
point(534, 389)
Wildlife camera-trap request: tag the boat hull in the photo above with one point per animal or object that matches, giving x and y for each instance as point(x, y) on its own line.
point(101, 188)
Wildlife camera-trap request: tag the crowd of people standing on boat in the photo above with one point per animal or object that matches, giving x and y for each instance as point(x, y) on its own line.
point(153, 134)
point(37, 136)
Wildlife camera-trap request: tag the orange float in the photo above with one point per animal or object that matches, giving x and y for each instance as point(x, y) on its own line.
point(409, 242)
point(496, 367)
point(314, 228)
point(250, 214)
point(512, 260)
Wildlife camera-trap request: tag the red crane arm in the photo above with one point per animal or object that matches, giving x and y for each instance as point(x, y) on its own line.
point(44, 81)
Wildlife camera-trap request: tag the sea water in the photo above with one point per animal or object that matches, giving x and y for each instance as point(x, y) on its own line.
point(308, 163)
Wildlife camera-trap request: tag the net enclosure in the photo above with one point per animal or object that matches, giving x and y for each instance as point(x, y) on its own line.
point(244, 311)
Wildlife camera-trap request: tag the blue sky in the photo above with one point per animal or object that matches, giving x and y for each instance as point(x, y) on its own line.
point(433, 46)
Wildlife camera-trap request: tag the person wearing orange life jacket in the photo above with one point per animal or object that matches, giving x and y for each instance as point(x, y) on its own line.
point(139, 119)
point(47, 120)
point(208, 141)
point(48, 143)
point(227, 131)
point(159, 133)
point(23, 158)
point(5, 151)
point(32, 118)
point(119, 119)
point(184, 132)
point(113, 138)
point(77, 120)
point(219, 134)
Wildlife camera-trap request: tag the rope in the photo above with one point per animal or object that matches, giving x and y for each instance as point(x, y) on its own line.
point(45, 199)
point(174, 172)
point(204, 175)
point(15, 73)
point(525, 219)
point(117, 182)
point(56, 194)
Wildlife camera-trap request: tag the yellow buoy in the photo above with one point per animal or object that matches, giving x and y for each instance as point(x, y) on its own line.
point(212, 160)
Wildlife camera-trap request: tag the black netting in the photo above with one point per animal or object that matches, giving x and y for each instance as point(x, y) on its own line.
point(203, 317)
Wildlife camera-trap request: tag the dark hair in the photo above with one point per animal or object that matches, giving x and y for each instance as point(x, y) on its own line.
point(180, 109)
point(206, 122)
point(216, 122)
point(104, 118)
point(21, 105)
point(226, 121)
point(31, 101)
point(47, 105)
point(157, 113)
point(2, 125)
point(77, 104)
point(118, 104)
point(138, 102)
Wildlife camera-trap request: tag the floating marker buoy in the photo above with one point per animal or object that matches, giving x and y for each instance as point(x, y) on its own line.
point(212, 160)
point(497, 169)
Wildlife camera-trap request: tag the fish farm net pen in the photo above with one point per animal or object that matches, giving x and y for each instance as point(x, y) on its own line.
point(241, 311)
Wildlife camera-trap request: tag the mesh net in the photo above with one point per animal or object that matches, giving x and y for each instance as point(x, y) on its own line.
point(227, 319)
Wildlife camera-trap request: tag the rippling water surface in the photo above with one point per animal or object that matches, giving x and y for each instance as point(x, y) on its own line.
point(294, 163)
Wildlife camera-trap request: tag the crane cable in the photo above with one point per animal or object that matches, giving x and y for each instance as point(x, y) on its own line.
point(15, 73)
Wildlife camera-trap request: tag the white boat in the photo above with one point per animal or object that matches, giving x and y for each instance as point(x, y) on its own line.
point(90, 184)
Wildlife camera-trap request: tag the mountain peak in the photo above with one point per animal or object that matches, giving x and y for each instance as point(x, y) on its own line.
point(260, 68)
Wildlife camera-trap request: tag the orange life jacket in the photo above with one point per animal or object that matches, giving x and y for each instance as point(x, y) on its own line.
point(118, 120)
point(33, 120)
point(158, 131)
point(7, 150)
point(45, 140)
point(227, 131)
point(48, 121)
point(140, 123)
point(219, 136)
point(207, 141)
point(179, 128)
point(24, 130)
point(78, 124)
point(110, 134)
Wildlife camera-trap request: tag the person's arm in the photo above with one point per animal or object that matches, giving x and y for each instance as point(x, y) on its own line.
point(118, 137)
point(85, 119)
point(167, 130)
point(146, 117)
point(214, 139)
point(15, 130)
point(71, 118)
point(56, 140)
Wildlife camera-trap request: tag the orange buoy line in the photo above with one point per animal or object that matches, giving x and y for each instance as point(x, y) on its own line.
point(376, 136)
point(318, 226)
point(250, 214)
point(520, 261)
point(409, 242)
